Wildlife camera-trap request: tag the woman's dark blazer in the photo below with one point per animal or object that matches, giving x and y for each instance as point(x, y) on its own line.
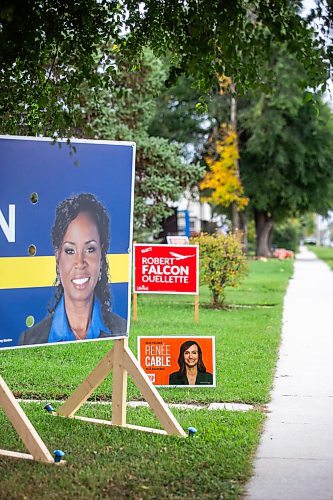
point(203, 378)
point(39, 334)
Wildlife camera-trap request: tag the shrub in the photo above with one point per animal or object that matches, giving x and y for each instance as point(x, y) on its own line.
point(287, 235)
point(222, 263)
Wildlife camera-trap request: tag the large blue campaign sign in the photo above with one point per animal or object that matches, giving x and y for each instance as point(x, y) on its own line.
point(65, 240)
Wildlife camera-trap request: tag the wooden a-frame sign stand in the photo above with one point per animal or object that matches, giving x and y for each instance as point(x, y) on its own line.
point(23, 427)
point(121, 360)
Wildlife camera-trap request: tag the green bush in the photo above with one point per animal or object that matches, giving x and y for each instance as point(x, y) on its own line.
point(287, 235)
point(222, 263)
point(251, 237)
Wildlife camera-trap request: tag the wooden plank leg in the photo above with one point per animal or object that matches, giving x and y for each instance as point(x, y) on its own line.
point(122, 360)
point(135, 306)
point(119, 392)
point(128, 426)
point(23, 427)
point(16, 454)
point(84, 390)
point(151, 395)
point(196, 308)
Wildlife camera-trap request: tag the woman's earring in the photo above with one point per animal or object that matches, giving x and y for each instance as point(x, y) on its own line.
point(100, 276)
point(58, 279)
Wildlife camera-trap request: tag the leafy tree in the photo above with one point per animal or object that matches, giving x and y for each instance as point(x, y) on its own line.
point(49, 48)
point(222, 180)
point(286, 150)
point(78, 83)
point(176, 117)
point(52, 50)
point(207, 137)
point(287, 234)
point(162, 175)
point(308, 224)
point(222, 263)
point(285, 142)
point(209, 38)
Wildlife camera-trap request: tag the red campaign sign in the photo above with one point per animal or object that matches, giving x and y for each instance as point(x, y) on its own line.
point(166, 269)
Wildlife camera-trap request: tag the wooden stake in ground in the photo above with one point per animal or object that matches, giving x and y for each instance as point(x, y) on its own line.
point(196, 308)
point(135, 306)
point(122, 361)
point(135, 298)
point(23, 427)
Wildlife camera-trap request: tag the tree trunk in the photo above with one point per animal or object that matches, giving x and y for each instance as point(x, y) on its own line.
point(264, 225)
point(243, 227)
point(216, 300)
point(234, 218)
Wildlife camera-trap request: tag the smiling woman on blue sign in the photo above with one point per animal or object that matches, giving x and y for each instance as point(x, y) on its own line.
point(82, 306)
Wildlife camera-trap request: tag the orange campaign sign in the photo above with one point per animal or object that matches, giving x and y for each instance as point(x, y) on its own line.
point(178, 361)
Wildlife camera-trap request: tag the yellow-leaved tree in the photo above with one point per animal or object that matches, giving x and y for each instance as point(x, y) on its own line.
point(221, 182)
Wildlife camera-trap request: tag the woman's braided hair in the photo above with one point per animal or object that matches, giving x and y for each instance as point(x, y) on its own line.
point(66, 212)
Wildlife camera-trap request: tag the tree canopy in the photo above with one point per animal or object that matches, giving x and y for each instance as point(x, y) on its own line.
point(285, 143)
point(286, 151)
point(50, 47)
point(61, 64)
point(221, 181)
point(161, 173)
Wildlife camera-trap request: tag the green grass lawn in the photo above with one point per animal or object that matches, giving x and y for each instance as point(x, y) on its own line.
point(110, 462)
point(323, 253)
point(104, 462)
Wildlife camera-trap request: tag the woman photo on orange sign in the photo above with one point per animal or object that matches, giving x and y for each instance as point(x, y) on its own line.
point(192, 370)
point(81, 308)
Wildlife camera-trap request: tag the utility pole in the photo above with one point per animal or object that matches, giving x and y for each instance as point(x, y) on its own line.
point(238, 219)
point(233, 121)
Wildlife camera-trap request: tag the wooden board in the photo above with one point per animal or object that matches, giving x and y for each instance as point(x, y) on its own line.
point(23, 427)
point(122, 361)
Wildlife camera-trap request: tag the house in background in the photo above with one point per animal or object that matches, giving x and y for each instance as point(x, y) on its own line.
point(322, 234)
point(324, 230)
point(190, 217)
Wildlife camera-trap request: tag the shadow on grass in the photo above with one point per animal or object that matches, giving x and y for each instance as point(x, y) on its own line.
point(230, 307)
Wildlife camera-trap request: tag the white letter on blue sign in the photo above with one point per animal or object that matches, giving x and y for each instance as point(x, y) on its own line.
point(8, 229)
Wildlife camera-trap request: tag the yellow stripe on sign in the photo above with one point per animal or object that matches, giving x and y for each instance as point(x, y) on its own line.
point(34, 272)
point(118, 265)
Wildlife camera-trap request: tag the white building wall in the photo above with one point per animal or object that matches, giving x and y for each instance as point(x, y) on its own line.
point(200, 212)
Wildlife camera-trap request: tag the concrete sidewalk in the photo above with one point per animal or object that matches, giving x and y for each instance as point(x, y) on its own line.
point(295, 458)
